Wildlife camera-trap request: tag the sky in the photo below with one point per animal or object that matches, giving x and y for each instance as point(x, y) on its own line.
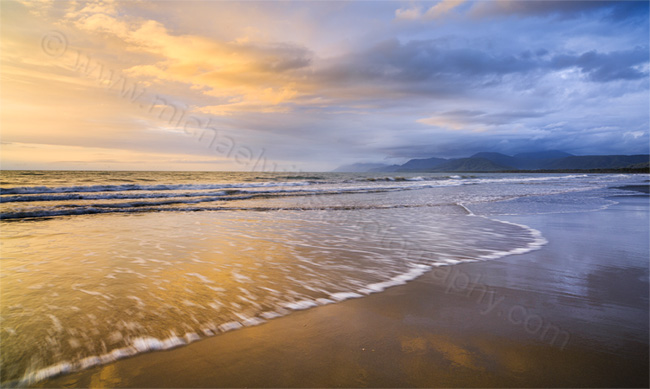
point(309, 86)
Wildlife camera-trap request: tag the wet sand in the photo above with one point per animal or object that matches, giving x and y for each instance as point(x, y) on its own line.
point(573, 314)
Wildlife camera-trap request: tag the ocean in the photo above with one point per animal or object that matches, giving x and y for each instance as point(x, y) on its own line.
point(99, 266)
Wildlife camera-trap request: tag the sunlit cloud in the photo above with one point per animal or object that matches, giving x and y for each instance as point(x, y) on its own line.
point(409, 13)
point(247, 75)
point(317, 84)
point(442, 8)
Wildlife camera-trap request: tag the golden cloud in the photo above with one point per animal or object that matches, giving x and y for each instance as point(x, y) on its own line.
point(245, 75)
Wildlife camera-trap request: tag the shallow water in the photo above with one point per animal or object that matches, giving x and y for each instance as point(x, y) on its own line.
point(98, 266)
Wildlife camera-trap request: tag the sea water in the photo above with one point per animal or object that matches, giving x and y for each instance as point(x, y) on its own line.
point(98, 266)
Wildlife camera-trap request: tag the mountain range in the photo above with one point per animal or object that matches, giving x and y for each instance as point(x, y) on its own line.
point(550, 160)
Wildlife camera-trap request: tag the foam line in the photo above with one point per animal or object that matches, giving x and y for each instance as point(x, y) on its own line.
point(147, 343)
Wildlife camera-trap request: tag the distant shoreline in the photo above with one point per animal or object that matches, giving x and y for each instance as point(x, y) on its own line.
point(558, 171)
point(606, 171)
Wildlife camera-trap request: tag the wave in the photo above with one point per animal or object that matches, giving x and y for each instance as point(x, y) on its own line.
point(305, 181)
point(307, 290)
point(317, 178)
point(42, 190)
point(111, 196)
point(374, 179)
point(129, 208)
point(69, 204)
point(227, 192)
point(134, 187)
point(46, 202)
point(146, 343)
point(530, 179)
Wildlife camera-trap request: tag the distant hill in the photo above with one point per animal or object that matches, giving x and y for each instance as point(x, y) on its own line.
point(471, 165)
point(498, 158)
point(491, 162)
point(643, 165)
point(525, 161)
point(548, 154)
point(538, 159)
point(421, 165)
point(597, 162)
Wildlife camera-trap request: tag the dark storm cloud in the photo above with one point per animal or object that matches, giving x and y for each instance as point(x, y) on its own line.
point(603, 67)
point(499, 76)
point(418, 67)
point(626, 10)
point(417, 61)
point(524, 76)
point(615, 10)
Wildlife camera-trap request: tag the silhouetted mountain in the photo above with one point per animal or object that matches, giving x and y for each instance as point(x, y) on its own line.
point(491, 162)
point(597, 162)
point(359, 167)
point(642, 165)
point(421, 165)
point(498, 158)
point(537, 159)
point(470, 165)
point(548, 154)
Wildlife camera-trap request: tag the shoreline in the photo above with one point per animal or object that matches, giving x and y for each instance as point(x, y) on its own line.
point(474, 324)
point(147, 344)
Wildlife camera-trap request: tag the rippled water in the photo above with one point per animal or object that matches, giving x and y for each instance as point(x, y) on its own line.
point(98, 266)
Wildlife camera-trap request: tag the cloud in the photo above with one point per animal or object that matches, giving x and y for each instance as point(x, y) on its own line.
point(442, 8)
point(412, 13)
point(562, 9)
point(439, 68)
point(436, 11)
point(590, 141)
point(314, 84)
point(244, 73)
point(470, 120)
point(615, 11)
point(604, 67)
point(39, 8)
point(421, 61)
point(38, 155)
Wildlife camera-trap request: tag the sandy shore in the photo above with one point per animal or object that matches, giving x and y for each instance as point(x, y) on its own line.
point(573, 314)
